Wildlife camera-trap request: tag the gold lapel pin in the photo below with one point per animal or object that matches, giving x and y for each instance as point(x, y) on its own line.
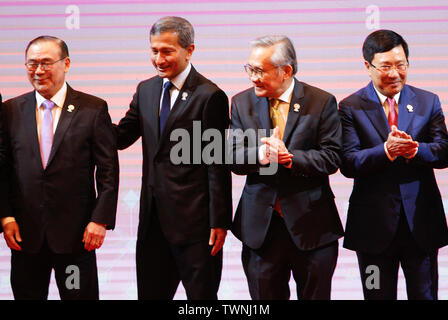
point(184, 96)
point(410, 108)
point(296, 107)
point(70, 108)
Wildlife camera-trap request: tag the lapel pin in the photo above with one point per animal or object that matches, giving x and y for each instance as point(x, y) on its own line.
point(296, 107)
point(70, 108)
point(410, 108)
point(184, 96)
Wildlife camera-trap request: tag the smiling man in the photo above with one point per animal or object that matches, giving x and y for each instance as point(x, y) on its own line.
point(63, 178)
point(287, 221)
point(394, 135)
point(185, 209)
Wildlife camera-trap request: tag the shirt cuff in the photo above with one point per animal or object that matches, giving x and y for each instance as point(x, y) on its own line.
point(387, 153)
point(6, 220)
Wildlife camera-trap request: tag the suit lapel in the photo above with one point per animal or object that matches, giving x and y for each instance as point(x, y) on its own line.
point(153, 109)
point(65, 119)
point(30, 122)
point(294, 112)
point(405, 116)
point(374, 110)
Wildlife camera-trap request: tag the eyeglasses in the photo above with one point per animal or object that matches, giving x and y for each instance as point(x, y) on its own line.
point(402, 67)
point(257, 72)
point(45, 66)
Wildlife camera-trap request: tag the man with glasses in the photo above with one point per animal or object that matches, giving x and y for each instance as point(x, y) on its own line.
point(63, 179)
point(394, 135)
point(287, 220)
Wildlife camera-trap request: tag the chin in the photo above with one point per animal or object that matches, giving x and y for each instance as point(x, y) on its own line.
point(260, 92)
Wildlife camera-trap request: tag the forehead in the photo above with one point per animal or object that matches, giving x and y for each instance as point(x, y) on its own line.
point(394, 55)
point(165, 39)
point(261, 56)
point(43, 49)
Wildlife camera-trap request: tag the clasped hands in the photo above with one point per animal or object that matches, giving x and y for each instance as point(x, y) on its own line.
point(399, 143)
point(275, 150)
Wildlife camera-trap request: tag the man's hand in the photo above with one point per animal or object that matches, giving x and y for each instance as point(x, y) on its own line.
point(275, 150)
point(217, 238)
point(12, 235)
point(94, 236)
point(399, 143)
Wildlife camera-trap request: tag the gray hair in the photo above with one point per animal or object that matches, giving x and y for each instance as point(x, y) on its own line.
point(284, 52)
point(181, 26)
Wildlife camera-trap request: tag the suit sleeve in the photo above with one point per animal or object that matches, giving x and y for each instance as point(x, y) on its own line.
point(216, 116)
point(433, 148)
point(5, 167)
point(242, 146)
point(325, 158)
point(128, 129)
point(358, 161)
point(107, 169)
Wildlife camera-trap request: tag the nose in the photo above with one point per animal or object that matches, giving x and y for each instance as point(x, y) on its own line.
point(393, 73)
point(159, 59)
point(253, 77)
point(39, 69)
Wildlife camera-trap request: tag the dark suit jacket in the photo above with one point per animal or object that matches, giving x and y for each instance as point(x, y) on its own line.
point(57, 203)
point(382, 187)
point(313, 136)
point(191, 197)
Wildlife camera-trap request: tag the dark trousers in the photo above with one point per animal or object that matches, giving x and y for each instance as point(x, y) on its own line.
point(419, 268)
point(268, 269)
point(162, 265)
point(76, 275)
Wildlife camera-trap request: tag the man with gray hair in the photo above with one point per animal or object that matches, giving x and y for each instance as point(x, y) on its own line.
point(185, 209)
point(288, 220)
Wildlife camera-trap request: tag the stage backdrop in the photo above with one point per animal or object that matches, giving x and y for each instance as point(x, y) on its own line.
point(109, 50)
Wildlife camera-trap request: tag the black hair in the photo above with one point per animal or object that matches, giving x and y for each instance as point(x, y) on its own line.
point(382, 41)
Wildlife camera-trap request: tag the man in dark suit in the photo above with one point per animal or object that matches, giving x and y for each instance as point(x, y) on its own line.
point(185, 206)
point(395, 214)
point(286, 218)
point(63, 181)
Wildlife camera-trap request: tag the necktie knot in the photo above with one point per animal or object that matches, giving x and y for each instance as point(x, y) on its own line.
point(48, 104)
point(275, 103)
point(391, 102)
point(167, 85)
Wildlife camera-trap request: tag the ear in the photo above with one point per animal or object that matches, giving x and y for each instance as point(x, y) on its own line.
point(288, 71)
point(190, 50)
point(67, 64)
point(368, 67)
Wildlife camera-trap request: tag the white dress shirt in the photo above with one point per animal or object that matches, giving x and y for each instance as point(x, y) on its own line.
point(178, 83)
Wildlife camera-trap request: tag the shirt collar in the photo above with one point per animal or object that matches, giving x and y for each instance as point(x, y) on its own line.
point(286, 96)
point(58, 98)
point(383, 97)
point(180, 79)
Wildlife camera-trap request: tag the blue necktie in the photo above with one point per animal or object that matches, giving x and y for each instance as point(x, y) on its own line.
point(46, 132)
point(166, 104)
